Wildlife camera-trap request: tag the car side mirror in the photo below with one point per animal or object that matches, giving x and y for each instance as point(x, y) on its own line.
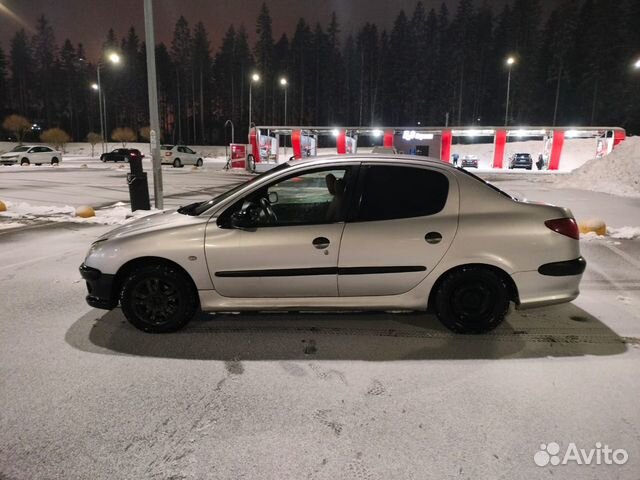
point(242, 220)
point(273, 197)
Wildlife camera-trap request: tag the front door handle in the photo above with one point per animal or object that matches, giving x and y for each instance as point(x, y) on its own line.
point(321, 243)
point(433, 237)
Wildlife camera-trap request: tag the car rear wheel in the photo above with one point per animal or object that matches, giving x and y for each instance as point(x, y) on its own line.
point(472, 300)
point(177, 163)
point(25, 161)
point(199, 162)
point(55, 161)
point(159, 298)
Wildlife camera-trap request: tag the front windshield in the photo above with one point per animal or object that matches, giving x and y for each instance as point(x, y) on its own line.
point(201, 207)
point(20, 149)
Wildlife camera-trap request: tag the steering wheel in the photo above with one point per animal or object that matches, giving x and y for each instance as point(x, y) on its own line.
point(268, 212)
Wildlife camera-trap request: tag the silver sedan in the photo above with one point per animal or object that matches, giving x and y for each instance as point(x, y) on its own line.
point(351, 232)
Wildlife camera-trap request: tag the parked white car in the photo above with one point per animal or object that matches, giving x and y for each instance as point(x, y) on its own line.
point(373, 232)
point(28, 154)
point(179, 155)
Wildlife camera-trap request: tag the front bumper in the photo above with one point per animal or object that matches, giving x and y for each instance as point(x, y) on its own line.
point(100, 287)
point(9, 161)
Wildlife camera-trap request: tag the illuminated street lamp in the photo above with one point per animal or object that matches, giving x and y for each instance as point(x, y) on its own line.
point(285, 84)
point(510, 62)
point(115, 59)
point(637, 64)
point(254, 79)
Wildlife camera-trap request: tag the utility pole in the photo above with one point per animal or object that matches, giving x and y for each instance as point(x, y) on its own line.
point(154, 117)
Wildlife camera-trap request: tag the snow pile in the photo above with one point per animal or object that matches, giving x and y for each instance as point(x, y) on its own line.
point(116, 214)
point(626, 233)
point(622, 233)
point(7, 225)
point(617, 173)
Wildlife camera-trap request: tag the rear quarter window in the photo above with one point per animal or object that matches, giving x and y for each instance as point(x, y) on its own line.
point(393, 192)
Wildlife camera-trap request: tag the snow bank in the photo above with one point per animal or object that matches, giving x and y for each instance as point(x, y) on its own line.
point(617, 173)
point(117, 214)
point(622, 233)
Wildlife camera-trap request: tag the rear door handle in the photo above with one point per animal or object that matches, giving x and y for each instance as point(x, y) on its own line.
point(321, 243)
point(433, 237)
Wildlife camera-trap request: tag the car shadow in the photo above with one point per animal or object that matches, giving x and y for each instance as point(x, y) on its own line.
point(560, 331)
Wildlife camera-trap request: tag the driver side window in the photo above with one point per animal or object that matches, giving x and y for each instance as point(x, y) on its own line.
point(310, 198)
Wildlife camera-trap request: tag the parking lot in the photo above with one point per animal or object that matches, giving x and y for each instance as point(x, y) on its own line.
point(289, 395)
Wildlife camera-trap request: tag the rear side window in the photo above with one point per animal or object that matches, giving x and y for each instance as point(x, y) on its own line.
point(391, 192)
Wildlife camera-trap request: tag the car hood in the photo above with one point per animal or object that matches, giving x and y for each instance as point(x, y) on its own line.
point(9, 155)
point(152, 223)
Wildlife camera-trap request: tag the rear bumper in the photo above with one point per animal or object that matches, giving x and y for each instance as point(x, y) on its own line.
point(560, 283)
point(100, 288)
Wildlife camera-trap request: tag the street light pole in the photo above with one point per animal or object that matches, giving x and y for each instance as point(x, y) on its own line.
point(510, 62)
point(254, 78)
point(99, 89)
point(285, 84)
point(154, 116)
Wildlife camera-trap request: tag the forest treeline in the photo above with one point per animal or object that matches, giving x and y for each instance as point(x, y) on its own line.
point(573, 66)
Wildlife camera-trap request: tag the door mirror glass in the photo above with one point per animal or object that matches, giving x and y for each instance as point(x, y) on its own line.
point(242, 219)
point(273, 197)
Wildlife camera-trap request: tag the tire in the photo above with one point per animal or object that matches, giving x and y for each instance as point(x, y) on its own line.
point(103, 159)
point(158, 298)
point(177, 163)
point(55, 161)
point(199, 162)
point(24, 161)
point(472, 300)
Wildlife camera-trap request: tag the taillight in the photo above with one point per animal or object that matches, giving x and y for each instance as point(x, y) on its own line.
point(168, 154)
point(564, 226)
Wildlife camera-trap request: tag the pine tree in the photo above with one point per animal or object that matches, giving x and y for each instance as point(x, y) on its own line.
point(264, 62)
point(44, 55)
point(201, 57)
point(181, 55)
point(4, 87)
point(21, 73)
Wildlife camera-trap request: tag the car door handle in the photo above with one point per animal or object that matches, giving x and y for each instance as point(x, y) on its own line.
point(433, 237)
point(321, 243)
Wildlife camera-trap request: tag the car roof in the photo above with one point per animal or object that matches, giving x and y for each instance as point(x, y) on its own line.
point(372, 158)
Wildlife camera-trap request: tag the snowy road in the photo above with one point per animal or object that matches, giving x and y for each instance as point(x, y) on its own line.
point(99, 184)
point(366, 396)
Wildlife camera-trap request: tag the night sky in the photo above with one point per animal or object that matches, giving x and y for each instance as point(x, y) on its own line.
point(88, 21)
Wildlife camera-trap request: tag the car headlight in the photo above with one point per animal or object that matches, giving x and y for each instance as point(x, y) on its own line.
point(96, 246)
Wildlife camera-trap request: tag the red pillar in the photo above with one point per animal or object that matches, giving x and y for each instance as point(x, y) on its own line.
point(499, 144)
point(445, 147)
point(618, 137)
point(556, 149)
point(254, 140)
point(341, 142)
point(388, 139)
point(296, 143)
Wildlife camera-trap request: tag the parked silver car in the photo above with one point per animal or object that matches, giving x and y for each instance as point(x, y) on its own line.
point(351, 232)
point(28, 154)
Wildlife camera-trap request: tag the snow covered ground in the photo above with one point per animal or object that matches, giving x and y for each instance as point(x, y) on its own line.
point(291, 396)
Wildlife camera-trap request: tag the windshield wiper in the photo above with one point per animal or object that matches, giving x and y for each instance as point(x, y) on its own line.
point(189, 209)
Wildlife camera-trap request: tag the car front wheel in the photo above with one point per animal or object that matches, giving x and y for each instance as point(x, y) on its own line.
point(199, 162)
point(472, 300)
point(55, 161)
point(159, 298)
point(177, 163)
point(24, 162)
